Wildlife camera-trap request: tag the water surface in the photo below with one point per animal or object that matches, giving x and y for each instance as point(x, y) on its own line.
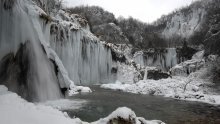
point(102, 102)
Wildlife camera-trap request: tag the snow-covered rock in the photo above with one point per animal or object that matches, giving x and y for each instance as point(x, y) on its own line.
point(125, 115)
point(78, 89)
point(194, 87)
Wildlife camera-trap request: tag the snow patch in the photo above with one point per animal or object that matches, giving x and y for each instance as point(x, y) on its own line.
point(78, 89)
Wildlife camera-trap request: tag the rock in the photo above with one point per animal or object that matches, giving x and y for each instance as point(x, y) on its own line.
point(155, 74)
point(120, 120)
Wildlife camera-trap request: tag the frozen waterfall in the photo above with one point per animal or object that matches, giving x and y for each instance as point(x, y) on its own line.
point(40, 55)
point(163, 59)
point(86, 59)
point(16, 28)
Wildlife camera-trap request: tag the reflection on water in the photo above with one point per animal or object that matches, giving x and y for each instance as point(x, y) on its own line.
point(102, 102)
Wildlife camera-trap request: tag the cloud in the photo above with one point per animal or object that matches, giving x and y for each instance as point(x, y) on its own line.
point(144, 10)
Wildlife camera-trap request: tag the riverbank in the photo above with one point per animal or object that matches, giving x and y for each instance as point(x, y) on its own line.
point(195, 87)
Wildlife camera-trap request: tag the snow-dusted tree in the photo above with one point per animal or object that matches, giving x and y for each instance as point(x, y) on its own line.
point(49, 5)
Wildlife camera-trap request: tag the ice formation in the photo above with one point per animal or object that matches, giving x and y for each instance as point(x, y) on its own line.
point(24, 23)
point(86, 59)
point(164, 59)
point(18, 26)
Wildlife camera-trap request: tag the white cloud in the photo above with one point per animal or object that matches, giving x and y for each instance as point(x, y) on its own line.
point(144, 10)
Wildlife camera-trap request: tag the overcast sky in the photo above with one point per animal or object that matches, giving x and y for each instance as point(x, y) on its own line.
point(144, 10)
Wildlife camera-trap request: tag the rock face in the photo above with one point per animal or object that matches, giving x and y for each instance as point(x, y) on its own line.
point(155, 74)
point(185, 53)
point(185, 22)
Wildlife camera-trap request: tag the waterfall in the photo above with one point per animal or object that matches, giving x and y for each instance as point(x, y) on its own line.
point(39, 57)
point(163, 59)
point(86, 59)
point(17, 27)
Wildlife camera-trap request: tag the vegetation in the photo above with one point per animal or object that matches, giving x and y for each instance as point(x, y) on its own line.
point(49, 5)
point(144, 36)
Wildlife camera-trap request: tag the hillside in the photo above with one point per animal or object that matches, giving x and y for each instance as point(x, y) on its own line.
point(193, 23)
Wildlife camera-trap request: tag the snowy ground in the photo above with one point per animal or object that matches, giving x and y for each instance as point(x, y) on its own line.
point(193, 88)
point(15, 110)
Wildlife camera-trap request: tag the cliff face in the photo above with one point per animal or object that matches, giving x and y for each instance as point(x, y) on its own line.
point(184, 23)
point(194, 23)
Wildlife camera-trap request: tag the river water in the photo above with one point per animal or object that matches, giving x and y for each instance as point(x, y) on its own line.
point(102, 102)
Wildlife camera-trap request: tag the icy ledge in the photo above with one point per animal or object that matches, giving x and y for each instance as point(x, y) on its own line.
point(192, 88)
point(15, 110)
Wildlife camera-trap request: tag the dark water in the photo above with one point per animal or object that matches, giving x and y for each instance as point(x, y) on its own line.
point(102, 102)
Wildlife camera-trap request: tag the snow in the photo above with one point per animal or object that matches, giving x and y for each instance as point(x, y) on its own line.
point(3, 89)
point(15, 110)
point(78, 89)
point(199, 55)
point(194, 88)
point(128, 115)
point(126, 73)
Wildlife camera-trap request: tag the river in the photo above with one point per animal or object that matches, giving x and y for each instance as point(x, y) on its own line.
point(101, 102)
